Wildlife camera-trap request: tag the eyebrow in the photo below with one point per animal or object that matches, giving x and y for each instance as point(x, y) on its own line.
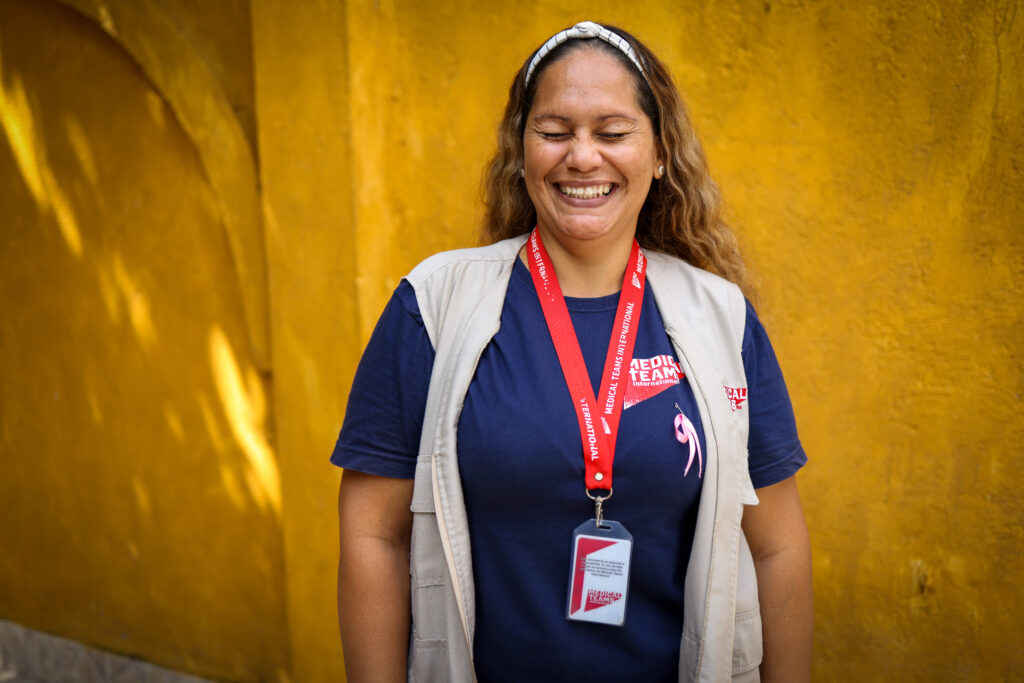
point(565, 119)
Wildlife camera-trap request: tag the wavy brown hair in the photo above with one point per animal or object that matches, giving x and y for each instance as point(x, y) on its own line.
point(682, 213)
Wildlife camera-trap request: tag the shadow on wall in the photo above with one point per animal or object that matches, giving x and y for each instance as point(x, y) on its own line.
point(141, 497)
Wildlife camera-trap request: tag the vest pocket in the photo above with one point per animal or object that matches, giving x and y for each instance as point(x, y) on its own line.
point(428, 661)
point(426, 562)
point(747, 648)
point(426, 565)
point(427, 582)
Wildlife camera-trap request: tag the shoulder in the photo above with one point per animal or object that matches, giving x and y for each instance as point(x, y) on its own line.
point(441, 266)
point(452, 286)
point(663, 265)
point(677, 283)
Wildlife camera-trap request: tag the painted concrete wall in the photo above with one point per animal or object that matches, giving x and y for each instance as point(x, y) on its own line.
point(141, 510)
point(871, 154)
point(188, 279)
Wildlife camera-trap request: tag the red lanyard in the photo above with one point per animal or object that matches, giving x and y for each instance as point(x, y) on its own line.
point(598, 445)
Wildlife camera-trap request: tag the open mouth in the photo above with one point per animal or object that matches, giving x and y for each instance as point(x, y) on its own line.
point(588, 192)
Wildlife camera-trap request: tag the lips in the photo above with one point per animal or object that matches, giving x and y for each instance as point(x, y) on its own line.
point(586, 191)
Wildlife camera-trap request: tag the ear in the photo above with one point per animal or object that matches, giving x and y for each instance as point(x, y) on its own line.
point(659, 162)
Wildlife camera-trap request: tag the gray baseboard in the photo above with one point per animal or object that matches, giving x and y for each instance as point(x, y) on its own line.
point(29, 656)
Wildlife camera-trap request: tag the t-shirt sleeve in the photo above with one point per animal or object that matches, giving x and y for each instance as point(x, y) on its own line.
point(774, 449)
point(381, 430)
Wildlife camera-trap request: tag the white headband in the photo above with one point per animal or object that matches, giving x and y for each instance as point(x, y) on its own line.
point(584, 30)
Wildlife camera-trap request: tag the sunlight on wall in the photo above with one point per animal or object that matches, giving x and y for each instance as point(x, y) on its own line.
point(122, 295)
point(105, 20)
point(136, 304)
point(145, 506)
point(174, 423)
point(79, 141)
point(16, 119)
point(245, 407)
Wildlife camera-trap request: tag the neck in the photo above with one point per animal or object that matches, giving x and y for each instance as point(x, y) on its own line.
point(588, 269)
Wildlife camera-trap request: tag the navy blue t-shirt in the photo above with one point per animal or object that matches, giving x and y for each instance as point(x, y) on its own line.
point(521, 462)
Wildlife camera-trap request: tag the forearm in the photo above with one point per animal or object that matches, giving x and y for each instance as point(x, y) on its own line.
point(787, 614)
point(375, 527)
point(781, 546)
point(373, 609)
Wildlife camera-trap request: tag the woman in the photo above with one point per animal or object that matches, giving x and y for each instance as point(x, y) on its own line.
point(567, 414)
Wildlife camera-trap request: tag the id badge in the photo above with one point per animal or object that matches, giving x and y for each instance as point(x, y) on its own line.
point(599, 574)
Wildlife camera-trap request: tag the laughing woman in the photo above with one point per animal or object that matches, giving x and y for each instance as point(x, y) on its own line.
point(570, 455)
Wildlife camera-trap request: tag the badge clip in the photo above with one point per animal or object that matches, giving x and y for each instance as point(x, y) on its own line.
point(599, 505)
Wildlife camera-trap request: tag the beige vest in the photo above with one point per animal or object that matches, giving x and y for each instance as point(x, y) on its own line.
point(460, 296)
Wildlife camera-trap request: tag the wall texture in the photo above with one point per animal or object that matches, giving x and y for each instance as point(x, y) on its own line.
point(206, 205)
point(142, 509)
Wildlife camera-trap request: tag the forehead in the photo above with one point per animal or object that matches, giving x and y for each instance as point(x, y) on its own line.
point(586, 81)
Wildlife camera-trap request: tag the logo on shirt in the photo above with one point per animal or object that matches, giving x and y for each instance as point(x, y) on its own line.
point(737, 395)
point(651, 376)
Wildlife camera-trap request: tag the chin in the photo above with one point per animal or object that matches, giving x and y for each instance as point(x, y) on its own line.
point(586, 230)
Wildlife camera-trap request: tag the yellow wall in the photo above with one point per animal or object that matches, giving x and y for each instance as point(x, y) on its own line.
point(211, 203)
point(140, 494)
point(304, 145)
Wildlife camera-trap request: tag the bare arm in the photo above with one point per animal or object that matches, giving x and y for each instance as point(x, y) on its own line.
point(373, 575)
point(777, 534)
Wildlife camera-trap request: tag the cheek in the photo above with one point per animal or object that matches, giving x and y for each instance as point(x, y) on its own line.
point(534, 178)
point(537, 158)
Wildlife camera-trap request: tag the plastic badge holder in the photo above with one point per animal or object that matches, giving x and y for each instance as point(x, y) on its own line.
point(599, 574)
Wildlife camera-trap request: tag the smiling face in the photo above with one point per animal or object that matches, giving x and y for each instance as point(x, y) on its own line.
point(589, 151)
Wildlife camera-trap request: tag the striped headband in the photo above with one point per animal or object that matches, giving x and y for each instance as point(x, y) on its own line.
point(584, 30)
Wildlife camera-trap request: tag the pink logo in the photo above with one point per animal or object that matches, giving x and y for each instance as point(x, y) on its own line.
point(687, 433)
point(737, 395)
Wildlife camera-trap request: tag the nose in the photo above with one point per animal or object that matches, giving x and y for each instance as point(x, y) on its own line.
point(584, 154)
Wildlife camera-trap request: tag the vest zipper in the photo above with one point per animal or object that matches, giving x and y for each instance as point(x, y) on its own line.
point(718, 479)
point(443, 526)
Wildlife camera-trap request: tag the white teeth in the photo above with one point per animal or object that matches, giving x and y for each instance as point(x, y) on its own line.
point(589, 192)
